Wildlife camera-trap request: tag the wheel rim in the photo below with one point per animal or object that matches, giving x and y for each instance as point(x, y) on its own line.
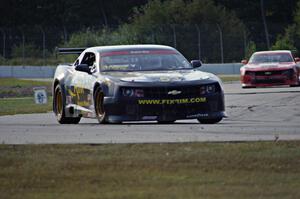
point(99, 105)
point(58, 100)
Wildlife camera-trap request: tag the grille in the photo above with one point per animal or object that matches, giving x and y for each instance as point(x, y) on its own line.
point(269, 81)
point(214, 101)
point(179, 110)
point(186, 91)
point(288, 73)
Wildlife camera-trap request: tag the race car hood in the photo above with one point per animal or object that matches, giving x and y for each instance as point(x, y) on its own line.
point(268, 66)
point(160, 76)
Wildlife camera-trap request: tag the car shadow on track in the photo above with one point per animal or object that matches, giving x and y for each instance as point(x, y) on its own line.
point(150, 124)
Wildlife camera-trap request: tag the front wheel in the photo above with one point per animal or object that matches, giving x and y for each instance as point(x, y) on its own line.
point(99, 107)
point(296, 85)
point(210, 121)
point(59, 108)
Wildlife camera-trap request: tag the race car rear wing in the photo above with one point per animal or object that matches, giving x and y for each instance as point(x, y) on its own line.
point(69, 50)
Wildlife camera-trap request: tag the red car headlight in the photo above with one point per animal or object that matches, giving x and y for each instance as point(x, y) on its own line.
point(250, 73)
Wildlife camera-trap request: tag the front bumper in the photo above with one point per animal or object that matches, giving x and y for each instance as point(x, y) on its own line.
point(144, 109)
point(266, 81)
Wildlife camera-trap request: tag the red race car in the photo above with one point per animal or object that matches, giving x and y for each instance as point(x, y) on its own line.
point(270, 68)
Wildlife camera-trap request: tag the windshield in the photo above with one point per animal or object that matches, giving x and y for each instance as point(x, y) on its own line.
point(269, 58)
point(143, 61)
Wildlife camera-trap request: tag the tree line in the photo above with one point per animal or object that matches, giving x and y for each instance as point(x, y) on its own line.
point(199, 28)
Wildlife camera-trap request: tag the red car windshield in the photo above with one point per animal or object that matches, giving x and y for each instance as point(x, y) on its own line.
point(143, 60)
point(271, 58)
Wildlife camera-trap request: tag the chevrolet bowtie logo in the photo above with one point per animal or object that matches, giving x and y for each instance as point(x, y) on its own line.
point(268, 73)
point(174, 92)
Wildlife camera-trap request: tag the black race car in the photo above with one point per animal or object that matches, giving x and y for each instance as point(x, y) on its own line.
point(135, 83)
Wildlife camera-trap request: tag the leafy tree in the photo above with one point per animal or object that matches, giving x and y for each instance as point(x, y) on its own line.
point(174, 23)
point(251, 48)
point(177, 23)
point(290, 40)
point(278, 16)
point(102, 37)
point(29, 50)
point(286, 41)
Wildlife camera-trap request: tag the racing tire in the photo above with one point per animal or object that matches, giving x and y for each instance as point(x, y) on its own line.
point(59, 108)
point(210, 121)
point(99, 107)
point(296, 85)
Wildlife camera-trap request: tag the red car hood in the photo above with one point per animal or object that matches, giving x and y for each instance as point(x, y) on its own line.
point(268, 66)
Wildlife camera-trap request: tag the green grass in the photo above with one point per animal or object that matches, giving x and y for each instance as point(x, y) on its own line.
point(12, 87)
point(229, 78)
point(16, 96)
point(12, 106)
point(14, 82)
point(193, 170)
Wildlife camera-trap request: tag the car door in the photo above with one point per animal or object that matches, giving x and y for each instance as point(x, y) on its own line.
point(83, 81)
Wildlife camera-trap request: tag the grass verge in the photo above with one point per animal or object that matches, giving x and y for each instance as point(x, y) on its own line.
point(16, 96)
point(12, 106)
point(12, 87)
point(229, 78)
point(14, 82)
point(193, 170)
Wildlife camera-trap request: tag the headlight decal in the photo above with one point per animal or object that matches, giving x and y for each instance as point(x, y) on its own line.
point(131, 92)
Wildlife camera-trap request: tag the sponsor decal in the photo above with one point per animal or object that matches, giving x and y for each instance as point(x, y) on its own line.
point(83, 103)
point(164, 79)
point(139, 52)
point(197, 115)
point(172, 101)
point(77, 91)
point(80, 97)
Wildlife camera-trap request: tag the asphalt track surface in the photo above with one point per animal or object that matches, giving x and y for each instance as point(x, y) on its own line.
point(253, 115)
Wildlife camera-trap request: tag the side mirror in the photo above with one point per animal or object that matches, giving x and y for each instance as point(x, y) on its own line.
point(196, 63)
point(244, 61)
point(83, 68)
point(297, 59)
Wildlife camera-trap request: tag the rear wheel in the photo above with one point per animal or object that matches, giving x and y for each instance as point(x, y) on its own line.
point(99, 107)
point(59, 108)
point(210, 121)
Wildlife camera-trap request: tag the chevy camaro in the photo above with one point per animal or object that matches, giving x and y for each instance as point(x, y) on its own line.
point(270, 68)
point(135, 83)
